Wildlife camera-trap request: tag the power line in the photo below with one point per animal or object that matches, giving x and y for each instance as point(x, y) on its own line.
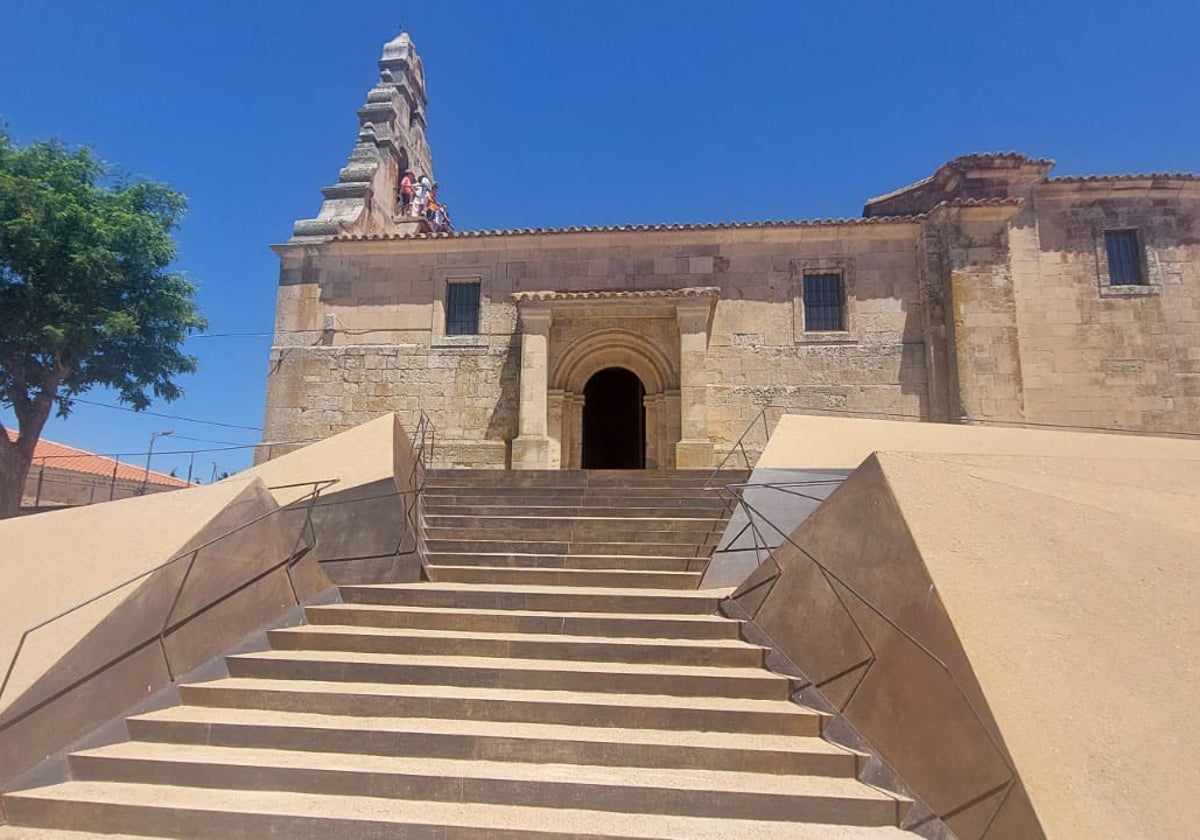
point(242, 334)
point(168, 416)
point(206, 440)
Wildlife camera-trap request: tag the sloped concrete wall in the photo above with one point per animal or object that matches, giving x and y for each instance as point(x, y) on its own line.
point(166, 582)
point(1015, 636)
point(775, 502)
point(367, 522)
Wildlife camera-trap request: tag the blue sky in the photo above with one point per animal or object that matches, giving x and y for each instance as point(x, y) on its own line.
point(566, 112)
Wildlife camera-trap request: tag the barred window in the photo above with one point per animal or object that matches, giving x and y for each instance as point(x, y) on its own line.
point(823, 306)
point(1124, 258)
point(462, 309)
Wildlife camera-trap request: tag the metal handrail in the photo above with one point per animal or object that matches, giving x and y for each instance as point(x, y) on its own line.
point(424, 439)
point(423, 447)
point(754, 515)
point(168, 626)
point(739, 446)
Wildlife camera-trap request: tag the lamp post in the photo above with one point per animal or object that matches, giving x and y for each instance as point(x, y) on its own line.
point(149, 453)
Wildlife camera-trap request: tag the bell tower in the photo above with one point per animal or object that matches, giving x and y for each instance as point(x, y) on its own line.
point(391, 138)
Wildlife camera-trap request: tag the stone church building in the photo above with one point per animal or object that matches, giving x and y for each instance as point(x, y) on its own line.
point(989, 291)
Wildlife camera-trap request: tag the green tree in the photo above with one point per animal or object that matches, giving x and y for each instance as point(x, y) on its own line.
point(86, 294)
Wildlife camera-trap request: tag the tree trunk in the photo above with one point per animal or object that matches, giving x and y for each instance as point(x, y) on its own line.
point(14, 468)
point(15, 458)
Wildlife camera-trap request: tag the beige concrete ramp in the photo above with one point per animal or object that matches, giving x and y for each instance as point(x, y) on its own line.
point(814, 442)
point(103, 605)
point(1017, 635)
point(366, 517)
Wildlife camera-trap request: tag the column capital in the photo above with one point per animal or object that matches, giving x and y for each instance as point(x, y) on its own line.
point(693, 313)
point(535, 319)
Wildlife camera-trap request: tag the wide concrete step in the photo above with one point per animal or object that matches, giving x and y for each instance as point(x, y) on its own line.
point(572, 561)
point(583, 531)
point(712, 652)
point(550, 675)
point(606, 578)
point(621, 497)
point(230, 814)
point(710, 793)
point(527, 743)
point(572, 708)
point(17, 832)
point(556, 598)
point(666, 508)
point(445, 539)
point(627, 625)
point(582, 478)
point(522, 518)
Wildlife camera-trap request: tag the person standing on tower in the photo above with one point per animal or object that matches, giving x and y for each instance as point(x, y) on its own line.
point(406, 193)
point(421, 196)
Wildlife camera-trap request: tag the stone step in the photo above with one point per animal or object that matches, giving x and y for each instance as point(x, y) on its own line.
point(492, 544)
point(580, 531)
point(694, 627)
point(840, 800)
point(563, 577)
point(522, 518)
point(227, 814)
point(582, 478)
point(16, 832)
point(571, 708)
point(572, 561)
point(525, 743)
point(713, 652)
point(544, 674)
point(616, 496)
point(557, 598)
point(438, 506)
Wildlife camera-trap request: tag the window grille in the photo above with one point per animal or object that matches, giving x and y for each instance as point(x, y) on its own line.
point(462, 309)
point(823, 305)
point(1124, 258)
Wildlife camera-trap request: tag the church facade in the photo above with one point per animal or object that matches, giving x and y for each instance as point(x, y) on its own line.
point(990, 291)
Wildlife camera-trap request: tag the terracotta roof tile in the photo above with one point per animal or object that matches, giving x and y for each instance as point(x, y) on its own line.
point(62, 457)
point(1016, 157)
point(996, 201)
point(622, 294)
point(1137, 176)
point(475, 234)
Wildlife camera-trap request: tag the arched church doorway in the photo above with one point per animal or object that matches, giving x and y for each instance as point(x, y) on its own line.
point(614, 421)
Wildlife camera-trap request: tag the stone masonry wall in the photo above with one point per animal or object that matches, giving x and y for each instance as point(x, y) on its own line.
point(989, 310)
point(1097, 355)
point(360, 326)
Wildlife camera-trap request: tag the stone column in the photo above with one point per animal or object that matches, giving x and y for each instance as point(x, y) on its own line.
point(694, 449)
point(654, 441)
point(573, 423)
point(669, 419)
point(531, 447)
point(555, 426)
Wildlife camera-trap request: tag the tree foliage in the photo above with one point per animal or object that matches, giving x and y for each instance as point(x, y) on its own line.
point(87, 296)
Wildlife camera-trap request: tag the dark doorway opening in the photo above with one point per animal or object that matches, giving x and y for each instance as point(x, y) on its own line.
point(614, 421)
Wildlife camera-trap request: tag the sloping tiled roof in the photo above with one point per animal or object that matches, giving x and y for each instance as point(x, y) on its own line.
point(1136, 176)
point(618, 294)
point(59, 456)
point(474, 234)
point(994, 201)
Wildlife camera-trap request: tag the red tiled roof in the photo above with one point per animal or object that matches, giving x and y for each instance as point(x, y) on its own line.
point(473, 234)
point(59, 456)
point(1133, 176)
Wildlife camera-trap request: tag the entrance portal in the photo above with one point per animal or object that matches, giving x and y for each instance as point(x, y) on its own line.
point(614, 421)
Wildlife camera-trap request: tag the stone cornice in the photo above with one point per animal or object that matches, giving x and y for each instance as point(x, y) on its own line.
point(711, 292)
point(662, 228)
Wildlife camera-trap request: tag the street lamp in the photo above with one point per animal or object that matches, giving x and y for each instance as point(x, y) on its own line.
point(150, 452)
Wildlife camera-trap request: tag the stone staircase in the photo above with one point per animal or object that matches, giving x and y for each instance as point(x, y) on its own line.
point(558, 675)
